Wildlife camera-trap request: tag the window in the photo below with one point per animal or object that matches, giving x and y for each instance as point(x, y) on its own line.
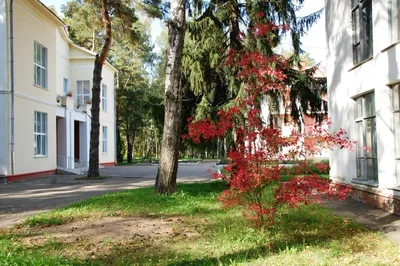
point(396, 118)
point(367, 163)
point(104, 140)
point(361, 19)
point(104, 97)
point(395, 20)
point(65, 86)
point(83, 91)
point(40, 134)
point(40, 65)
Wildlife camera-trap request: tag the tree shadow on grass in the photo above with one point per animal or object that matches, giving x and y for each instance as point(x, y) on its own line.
point(203, 189)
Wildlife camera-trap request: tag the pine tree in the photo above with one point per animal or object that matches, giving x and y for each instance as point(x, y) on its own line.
point(215, 29)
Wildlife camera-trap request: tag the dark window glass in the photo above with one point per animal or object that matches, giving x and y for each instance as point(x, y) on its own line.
point(362, 30)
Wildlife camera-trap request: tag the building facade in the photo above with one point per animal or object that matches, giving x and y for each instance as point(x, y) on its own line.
point(45, 95)
point(363, 91)
point(281, 108)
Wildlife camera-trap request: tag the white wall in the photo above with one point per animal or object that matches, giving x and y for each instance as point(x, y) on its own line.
point(4, 122)
point(346, 82)
point(63, 62)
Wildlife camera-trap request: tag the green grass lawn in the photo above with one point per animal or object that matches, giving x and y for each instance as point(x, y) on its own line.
point(201, 233)
point(285, 178)
point(136, 161)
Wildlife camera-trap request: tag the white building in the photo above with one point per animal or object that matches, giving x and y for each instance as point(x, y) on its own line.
point(45, 93)
point(363, 93)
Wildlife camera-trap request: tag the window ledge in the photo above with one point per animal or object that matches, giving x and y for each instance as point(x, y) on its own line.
point(40, 87)
point(370, 183)
point(361, 63)
point(397, 188)
point(40, 156)
point(390, 46)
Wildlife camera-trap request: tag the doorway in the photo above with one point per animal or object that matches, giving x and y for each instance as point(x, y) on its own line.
point(77, 151)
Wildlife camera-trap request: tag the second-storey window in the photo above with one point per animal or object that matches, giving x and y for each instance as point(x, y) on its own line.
point(40, 134)
point(82, 91)
point(104, 97)
point(367, 162)
point(361, 19)
point(40, 65)
point(65, 85)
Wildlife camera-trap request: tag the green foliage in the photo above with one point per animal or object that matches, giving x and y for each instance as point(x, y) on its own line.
point(215, 28)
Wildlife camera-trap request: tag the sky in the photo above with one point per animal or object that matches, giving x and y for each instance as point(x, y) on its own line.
point(314, 42)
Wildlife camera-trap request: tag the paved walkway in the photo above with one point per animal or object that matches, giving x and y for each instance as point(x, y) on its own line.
point(374, 218)
point(22, 199)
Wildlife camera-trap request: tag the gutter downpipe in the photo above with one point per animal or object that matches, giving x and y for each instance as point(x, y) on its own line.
point(12, 86)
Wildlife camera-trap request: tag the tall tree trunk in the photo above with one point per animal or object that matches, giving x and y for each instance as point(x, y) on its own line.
point(130, 137)
point(168, 165)
point(120, 144)
point(95, 121)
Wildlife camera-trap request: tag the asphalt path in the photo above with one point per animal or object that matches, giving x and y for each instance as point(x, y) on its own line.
point(22, 199)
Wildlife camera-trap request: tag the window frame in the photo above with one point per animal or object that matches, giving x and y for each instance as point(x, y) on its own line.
point(65, 86)
point(363, 154)
point(41, 78)
point(362, 42)
point(104, 131)
point(81, 97)
point(40, 133)
point(104, 97)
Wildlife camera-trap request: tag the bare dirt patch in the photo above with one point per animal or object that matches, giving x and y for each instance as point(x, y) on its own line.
point(98, 237)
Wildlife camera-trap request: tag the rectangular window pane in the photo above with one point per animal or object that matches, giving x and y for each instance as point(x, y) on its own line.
point(371, 169)
point(360, 139)
point(104, 139)
point(359, 167)
point(369, 105)
point(362, 169)
point(79, 87)
point(87, 86)
point(38, 145)
point(40, 133)
point(104, 97)
point(38, 122)
point(359, 107)
point(44, 118)
point(66, 85)
point(366, 15)
point(368, 138)
point(43, 145)
point(355, 25)
point(43, 78)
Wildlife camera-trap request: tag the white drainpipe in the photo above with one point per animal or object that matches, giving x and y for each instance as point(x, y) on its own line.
point(12, 142)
